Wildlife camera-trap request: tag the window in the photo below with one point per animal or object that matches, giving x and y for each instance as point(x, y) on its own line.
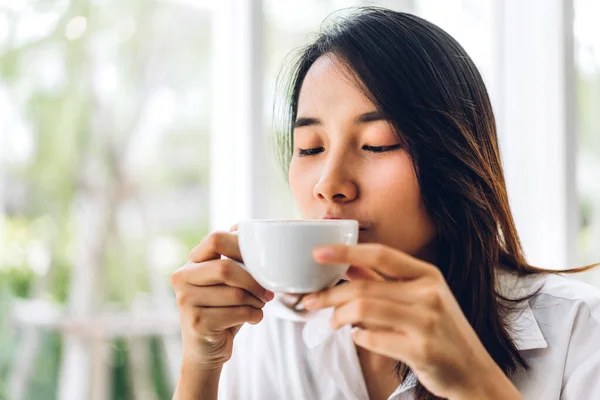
point(587, 64)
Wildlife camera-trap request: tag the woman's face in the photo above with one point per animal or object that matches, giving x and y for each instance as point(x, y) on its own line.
point(348, 163)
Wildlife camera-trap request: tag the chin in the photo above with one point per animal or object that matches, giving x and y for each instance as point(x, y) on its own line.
point(365, 236)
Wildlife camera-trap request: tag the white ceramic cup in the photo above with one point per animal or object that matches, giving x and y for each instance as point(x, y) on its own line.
point(278, 253)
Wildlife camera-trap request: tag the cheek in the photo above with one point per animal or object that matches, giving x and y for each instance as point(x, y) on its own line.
point(396, 193)
point(393, 180)
point(300, 180)
point(397, 198)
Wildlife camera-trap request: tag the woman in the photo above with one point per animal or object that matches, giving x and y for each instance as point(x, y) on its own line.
point(390, 124)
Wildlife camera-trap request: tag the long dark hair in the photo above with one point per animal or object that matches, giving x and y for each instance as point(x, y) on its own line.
point(428, 87)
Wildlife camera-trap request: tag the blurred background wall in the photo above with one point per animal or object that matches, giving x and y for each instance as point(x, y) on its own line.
point(129, 129)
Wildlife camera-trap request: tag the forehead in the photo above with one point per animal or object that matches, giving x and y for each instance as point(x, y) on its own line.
point(331, 84)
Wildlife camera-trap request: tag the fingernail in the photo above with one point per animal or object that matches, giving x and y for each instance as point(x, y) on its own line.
point(309, 301)
point(323, 253)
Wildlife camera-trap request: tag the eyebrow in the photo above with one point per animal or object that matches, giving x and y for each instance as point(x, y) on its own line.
point(367, 117)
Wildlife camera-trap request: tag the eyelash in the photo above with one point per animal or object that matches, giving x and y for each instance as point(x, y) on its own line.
point(372, 149)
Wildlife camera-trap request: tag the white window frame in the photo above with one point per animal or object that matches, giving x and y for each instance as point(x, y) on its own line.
point(535, 108)
point(238, 182)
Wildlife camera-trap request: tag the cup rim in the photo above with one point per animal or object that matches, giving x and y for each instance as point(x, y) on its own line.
point(298, 222)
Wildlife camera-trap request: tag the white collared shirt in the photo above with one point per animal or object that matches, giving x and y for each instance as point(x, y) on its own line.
point(290, 356)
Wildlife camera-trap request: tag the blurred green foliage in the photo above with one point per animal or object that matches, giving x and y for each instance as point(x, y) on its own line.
point(86, 104)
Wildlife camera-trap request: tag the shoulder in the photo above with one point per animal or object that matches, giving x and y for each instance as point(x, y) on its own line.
point(559, 307)
point(567, 291)
point(567, 311)
point(551, 290)
point(565, 362)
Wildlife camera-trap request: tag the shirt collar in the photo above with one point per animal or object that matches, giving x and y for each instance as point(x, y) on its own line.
point(525, 331)
point(316, 323)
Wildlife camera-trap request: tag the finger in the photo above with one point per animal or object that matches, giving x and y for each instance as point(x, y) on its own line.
point(216, 319)
point(233, 228)
point(220, 272)
point(377, 314)
point(215, 245)
point(395, 345)
point(357, 273)
point(389, 262)
point(338, 295)
point(217, 296)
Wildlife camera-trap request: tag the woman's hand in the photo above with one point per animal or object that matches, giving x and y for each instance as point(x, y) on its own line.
point(215, 298)
point(402, 308)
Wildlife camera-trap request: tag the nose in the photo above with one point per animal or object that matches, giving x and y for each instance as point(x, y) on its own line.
point(336, 184)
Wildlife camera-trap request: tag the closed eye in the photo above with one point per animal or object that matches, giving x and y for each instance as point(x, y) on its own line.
point(381, 149)
point(310, 152)
point(373, 149)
